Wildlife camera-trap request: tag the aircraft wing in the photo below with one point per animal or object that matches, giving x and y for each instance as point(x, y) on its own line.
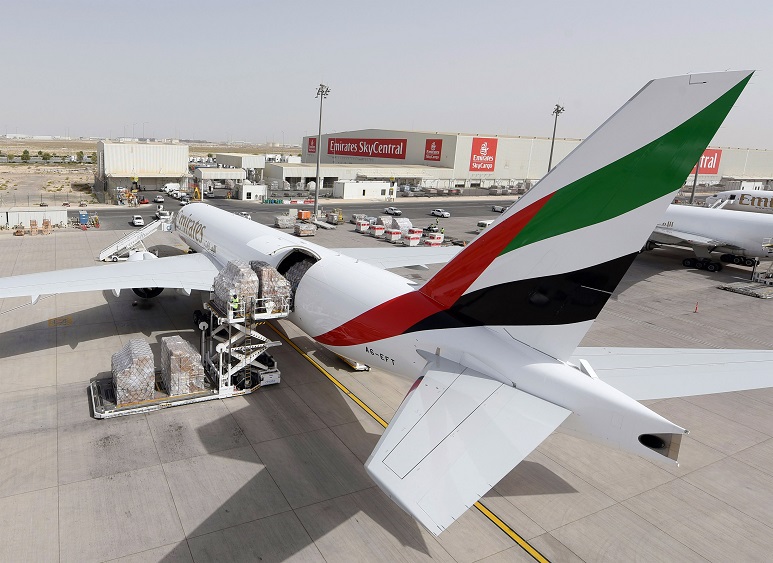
point(188, 271)
point(402, 256)
point(659, 373)
point(672, 236)
point(456, 434)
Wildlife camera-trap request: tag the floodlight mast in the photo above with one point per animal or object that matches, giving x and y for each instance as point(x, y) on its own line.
point(558, 110)
point(322, 93)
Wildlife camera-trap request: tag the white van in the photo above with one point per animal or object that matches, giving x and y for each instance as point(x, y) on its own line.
point(171, 186)
point(483, 224)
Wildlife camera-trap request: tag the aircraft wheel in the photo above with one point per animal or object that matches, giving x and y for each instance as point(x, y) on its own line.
point(749, 262)
point(688, 262)
point(712, 267)
point(738, 260)
point(726, 258)
point(700, 264)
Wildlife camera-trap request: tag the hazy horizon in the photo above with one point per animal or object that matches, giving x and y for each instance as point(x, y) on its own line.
point(242, 71)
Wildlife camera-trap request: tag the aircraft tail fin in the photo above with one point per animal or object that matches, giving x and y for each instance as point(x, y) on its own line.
point(543, 271)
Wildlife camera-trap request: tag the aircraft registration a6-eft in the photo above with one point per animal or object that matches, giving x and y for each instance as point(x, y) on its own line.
point(489, 338)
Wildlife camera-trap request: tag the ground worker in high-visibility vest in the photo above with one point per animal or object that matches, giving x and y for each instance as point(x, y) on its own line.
point(235, 302)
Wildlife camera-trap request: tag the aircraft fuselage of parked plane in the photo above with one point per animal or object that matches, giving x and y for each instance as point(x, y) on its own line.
point(740, 238)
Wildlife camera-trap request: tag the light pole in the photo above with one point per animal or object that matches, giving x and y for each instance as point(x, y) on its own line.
point(558, 110)
point(143, 129)
point(322, 93)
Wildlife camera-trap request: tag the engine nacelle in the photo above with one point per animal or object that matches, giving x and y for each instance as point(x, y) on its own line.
point(147, 292)
point(137, 255)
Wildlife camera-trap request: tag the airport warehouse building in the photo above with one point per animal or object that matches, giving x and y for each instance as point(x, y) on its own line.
point(427, 159)
point(442, 162)
point(457, 160)
point(134, 164)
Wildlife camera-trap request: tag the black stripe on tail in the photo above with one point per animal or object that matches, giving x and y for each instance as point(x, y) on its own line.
point(565, 298)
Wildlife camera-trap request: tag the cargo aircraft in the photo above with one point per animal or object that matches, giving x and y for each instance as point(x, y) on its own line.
point(740, 238)
point(490, 338)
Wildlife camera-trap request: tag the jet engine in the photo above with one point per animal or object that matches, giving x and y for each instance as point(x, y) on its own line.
point(145, 292)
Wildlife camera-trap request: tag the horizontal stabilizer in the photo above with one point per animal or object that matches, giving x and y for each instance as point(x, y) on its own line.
point(402, 256)
point(672, 236)
point(659, 373)
point(456, 435)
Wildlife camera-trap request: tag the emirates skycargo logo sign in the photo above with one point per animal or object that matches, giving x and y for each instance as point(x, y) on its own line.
point(483, 157)
point(709, 162)
point(373, 148)
point(312, 144)
point(433, 148)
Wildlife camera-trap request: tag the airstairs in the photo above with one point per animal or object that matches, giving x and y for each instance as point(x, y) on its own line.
point(133, 241)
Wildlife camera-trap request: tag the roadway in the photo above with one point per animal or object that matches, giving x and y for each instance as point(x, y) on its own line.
point(417, 209)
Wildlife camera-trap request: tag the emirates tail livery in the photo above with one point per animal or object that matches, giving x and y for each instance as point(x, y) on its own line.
point(490, 338)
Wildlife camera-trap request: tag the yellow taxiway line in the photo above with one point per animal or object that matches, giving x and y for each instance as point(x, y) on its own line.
point(525, 545)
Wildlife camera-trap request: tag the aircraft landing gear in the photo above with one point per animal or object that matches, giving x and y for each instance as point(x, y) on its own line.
point(739, 260)
point(702, 264)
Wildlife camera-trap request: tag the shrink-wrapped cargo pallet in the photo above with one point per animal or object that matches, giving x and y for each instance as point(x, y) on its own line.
point(403, 224)
point(181, 368)
point(133, 373)
point(296, 272)
point(237, 277)
point(273, 286)
point(305, 229)
point(284, 221)
point(357, 217)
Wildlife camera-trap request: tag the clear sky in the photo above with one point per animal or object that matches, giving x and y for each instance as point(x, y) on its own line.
point(249, 70)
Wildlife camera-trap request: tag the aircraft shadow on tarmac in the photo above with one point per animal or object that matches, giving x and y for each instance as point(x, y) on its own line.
point(166, 315)
point(313, 471)
point(323, 485)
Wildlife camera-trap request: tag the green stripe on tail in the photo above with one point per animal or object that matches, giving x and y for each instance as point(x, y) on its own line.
point(645, 175)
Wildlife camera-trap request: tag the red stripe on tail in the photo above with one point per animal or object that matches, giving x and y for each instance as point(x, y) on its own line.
point(397, 315)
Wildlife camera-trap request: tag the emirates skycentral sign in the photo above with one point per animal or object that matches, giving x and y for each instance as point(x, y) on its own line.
point(709, 162)
point(373, 148)
point(312, 144)
point(483, 156)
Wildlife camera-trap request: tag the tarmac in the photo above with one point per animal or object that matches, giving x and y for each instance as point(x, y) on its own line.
point(278, 475)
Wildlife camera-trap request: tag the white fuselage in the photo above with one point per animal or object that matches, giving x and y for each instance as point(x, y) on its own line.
point(741, 234)
point(757, 201)
point(338, 288)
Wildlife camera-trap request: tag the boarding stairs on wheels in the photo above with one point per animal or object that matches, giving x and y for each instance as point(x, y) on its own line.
point(133, 241)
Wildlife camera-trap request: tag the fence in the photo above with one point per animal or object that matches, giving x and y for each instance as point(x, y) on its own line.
point(11, 199)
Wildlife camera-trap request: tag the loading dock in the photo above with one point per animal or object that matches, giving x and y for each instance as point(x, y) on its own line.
point(234, 354)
